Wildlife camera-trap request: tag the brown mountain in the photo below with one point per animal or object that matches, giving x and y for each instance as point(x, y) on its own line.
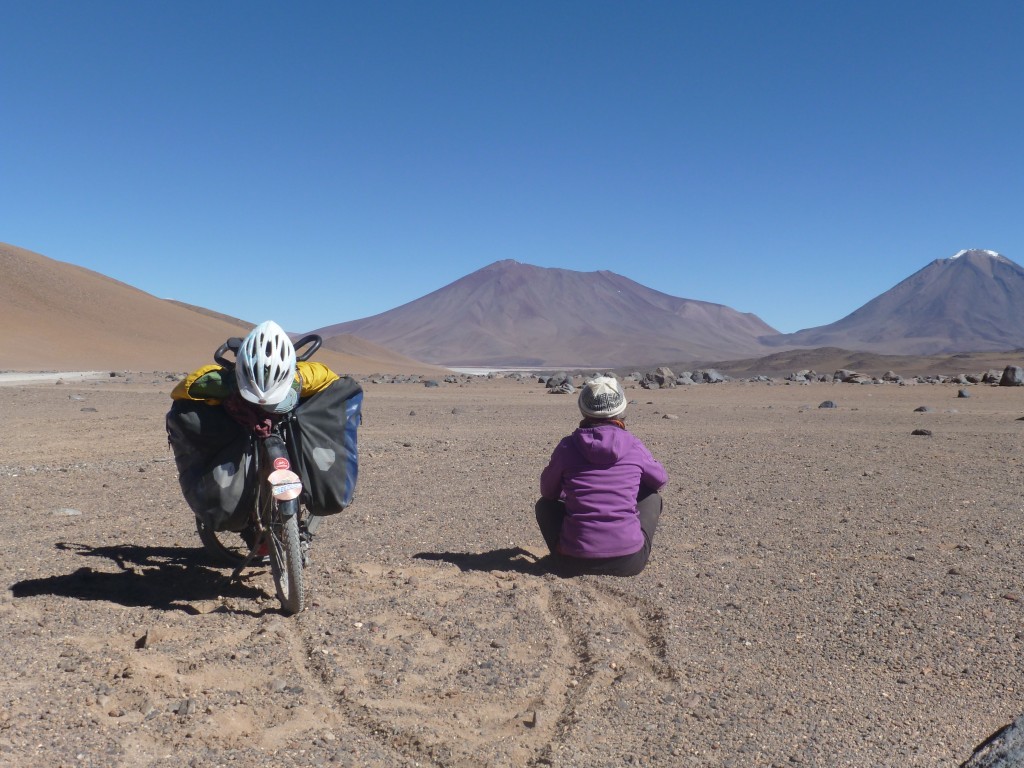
point(520, 315)
point(59, 317)
point(968, 303)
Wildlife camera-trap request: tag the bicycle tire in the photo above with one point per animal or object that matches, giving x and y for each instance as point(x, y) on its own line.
point(286, 556)
point(226, 548)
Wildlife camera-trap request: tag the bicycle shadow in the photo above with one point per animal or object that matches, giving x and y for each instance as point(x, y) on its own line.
point(510, 559)
point(162, 578)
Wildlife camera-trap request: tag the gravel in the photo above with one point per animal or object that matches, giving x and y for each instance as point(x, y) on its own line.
point(825, 590)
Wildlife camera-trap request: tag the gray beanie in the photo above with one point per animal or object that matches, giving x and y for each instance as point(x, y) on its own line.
point(602, 398)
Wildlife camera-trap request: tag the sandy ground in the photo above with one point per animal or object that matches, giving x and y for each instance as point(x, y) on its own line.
point(10, 378)
point(826, 589)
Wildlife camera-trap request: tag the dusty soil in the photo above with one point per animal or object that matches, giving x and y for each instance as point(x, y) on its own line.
point(826, 589)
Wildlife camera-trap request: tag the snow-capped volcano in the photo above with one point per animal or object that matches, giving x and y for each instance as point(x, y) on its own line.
point(980, 252)
point(968, 303)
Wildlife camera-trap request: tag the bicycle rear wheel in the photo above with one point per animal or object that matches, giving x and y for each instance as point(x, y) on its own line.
point(286, 555)
point(227, 548)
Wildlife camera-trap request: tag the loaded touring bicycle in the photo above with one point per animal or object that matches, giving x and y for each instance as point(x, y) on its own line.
point(259, 491)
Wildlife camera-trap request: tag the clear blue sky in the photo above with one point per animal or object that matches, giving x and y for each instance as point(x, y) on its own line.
point(317, 162)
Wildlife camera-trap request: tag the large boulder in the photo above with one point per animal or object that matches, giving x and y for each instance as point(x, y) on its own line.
point(1013, 376)
point(665, 377)
point(1003, 749)
point(557, 380)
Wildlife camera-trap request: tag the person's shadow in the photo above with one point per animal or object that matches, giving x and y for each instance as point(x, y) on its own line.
point(164, 578)
point(510, 559)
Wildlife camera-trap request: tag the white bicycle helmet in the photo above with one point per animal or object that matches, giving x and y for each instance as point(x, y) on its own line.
point(265, 364)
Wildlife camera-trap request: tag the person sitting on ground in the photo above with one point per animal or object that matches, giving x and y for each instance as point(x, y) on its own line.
point(599, 502)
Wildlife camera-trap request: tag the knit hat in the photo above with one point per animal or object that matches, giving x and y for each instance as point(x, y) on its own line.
point(602, 398)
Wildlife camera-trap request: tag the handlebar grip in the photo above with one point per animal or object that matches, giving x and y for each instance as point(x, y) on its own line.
point(314, 340)
point(234, 343)
point(231, 345)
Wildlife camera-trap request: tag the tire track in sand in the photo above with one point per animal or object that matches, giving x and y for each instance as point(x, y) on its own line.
point(447, 668)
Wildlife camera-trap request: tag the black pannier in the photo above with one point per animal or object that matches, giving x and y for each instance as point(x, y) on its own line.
point(324, 428)
point(216, 467)
point(216, 462)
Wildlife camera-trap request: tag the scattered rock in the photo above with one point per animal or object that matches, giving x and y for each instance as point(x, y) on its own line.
point(963, 393)
point(922, 432)
point(828, 404)
point(670, 416)
point(923, 409)
point(186, 707)
point(148, 638)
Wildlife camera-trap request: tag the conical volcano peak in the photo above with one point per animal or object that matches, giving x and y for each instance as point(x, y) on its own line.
point(515, 314)
point(979, 253)
point(967, 303)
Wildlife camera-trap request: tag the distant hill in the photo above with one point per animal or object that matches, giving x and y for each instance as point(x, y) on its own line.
point(516, 314)
point(57, 316)
point(211, 313)
point(60, 317)
point(968, 303)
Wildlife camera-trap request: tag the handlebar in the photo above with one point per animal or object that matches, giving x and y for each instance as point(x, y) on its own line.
point(231, 345)
point(313, 340)
point(234, 343)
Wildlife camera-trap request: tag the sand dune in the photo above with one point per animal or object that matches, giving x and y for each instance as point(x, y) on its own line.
point(58, 316)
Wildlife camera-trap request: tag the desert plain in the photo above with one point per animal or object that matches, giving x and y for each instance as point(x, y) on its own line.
point(826, 588)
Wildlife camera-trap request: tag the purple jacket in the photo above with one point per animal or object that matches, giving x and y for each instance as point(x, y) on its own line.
point(598, 472)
